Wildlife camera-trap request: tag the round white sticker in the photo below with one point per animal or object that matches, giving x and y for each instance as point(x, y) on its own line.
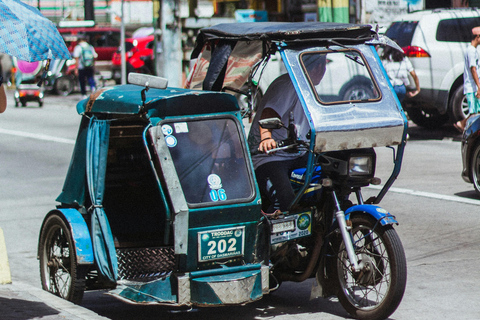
point(167, 129)
point(171, 141)
point(214, 181)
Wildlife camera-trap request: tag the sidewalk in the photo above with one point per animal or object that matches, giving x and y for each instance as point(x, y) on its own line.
point(22, 301)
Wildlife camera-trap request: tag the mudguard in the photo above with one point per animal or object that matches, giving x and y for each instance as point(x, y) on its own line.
point(380, 214)
point(80, 234)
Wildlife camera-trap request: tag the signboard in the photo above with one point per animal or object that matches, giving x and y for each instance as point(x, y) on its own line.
point(383, 12)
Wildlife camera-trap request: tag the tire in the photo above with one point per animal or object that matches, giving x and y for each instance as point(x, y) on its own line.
point(59, 272)
point(430, 119)
point(458, 107)
point(475, 168)
point(358, 92)
point(64, 85)
point(376, 293)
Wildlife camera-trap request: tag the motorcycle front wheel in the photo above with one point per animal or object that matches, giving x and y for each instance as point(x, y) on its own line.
point(64, 85)
point(376, 291)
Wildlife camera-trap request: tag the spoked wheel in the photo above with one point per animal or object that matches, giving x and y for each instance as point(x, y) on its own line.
point(64, 85)
point(59, 271)
point(376, 291)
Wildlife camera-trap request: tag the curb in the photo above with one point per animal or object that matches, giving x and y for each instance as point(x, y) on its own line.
point(5, 275)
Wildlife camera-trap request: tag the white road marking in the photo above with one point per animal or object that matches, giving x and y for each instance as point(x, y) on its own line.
point(430, 195)
point(37, 136)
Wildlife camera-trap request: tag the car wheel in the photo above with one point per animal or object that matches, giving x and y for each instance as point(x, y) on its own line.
point(475, 168)
point(64, 85)
point(458, 107)
point(358, 92)
point(242, 99)
point(430, 119)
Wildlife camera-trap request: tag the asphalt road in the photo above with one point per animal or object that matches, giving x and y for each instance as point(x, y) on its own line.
point(438, 215)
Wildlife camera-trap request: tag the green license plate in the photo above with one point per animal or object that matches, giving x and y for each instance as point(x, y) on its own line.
point(221, 244)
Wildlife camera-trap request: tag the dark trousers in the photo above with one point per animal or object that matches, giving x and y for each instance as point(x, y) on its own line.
point(86, 74)
point(273, 179)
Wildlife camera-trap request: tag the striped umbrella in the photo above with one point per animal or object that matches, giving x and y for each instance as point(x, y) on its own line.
point(27, 35)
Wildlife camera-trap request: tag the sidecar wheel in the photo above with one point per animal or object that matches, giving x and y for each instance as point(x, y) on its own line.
point(475, 168)
point(59, 272)
point(376, 291)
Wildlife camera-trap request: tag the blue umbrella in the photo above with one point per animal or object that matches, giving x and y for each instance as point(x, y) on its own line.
point(26, 34)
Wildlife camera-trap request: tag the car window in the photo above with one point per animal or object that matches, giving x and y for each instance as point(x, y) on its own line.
point(402, 32)
point(346, 76)
point(209, 159)
point(456, 30)
point(128, 46)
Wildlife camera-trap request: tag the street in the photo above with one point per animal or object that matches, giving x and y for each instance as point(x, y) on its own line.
point(438, 214)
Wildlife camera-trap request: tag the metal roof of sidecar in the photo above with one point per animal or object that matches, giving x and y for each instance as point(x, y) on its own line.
point(285, 31)
point(126, 99)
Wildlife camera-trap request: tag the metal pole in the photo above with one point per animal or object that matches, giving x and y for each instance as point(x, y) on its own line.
point(122, 46)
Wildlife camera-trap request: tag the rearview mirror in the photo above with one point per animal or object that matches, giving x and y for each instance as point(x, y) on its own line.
point(271, 123)
point(146, 80)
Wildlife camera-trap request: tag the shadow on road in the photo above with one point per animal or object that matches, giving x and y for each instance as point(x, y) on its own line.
point(445, 132)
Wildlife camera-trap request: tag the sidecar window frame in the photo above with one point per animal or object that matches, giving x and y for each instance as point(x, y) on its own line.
point(360, 78)
point(182, 125)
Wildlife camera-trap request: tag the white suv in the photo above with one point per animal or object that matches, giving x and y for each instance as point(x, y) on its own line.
point(435, 41)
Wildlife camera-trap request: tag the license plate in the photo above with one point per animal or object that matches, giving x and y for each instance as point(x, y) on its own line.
point(221, 244)
point(303, 228)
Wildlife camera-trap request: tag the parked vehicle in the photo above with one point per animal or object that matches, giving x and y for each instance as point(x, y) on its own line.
point(435, 41)
point(163, 177)
point(105, 40)
point(138, 55)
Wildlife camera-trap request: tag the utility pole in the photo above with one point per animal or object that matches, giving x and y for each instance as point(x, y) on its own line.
point(169, 62)
point(89, 10)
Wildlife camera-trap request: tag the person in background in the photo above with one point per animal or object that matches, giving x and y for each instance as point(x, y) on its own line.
point(85, 55)
point(398, 66)
point(471, 84)
point(3, 96)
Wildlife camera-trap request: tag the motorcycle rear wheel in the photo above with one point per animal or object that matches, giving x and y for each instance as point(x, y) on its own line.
point(376, 292)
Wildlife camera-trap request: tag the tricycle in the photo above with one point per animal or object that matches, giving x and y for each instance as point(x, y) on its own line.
point(161, 203)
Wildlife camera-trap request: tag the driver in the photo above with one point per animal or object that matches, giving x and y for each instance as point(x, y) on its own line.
point(273, 170)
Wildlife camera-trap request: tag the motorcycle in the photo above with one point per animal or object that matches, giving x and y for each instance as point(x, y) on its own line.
point(160, 204)
point(62, 79)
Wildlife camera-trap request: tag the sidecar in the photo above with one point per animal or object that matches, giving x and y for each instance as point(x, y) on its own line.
point(159, 203)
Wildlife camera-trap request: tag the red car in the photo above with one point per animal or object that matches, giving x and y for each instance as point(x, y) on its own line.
point(105, 40)
point(138, 55)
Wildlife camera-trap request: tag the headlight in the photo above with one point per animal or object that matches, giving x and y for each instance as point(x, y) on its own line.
point(360, 166)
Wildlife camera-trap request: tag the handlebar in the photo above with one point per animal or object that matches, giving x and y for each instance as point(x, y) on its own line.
point(288, 144)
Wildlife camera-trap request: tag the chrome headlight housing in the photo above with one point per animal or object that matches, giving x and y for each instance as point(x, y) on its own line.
point(360, 166)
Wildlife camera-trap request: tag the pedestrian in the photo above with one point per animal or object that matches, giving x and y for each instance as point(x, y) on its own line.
point(471, 84)
point(398, 66)
point(85, 55)
point(3, 96)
